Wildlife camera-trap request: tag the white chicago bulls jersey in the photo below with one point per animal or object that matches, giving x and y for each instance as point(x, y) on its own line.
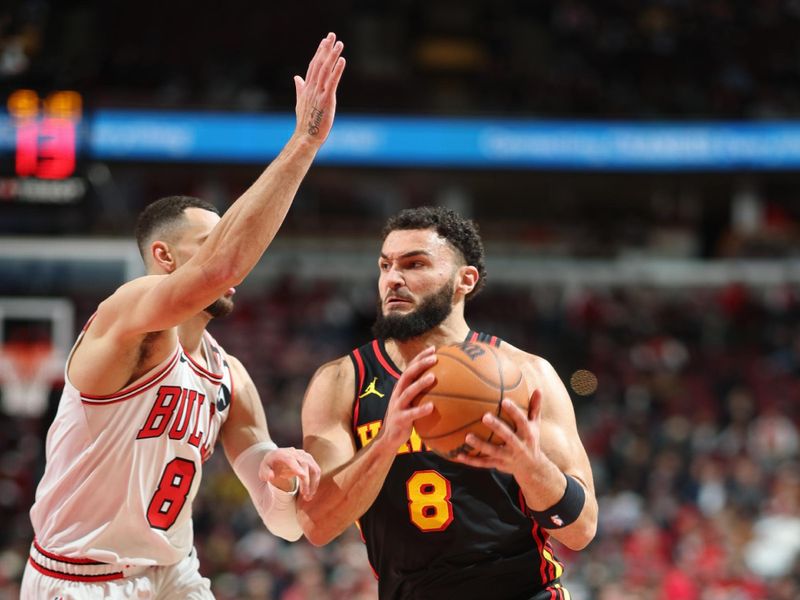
point(122, 470)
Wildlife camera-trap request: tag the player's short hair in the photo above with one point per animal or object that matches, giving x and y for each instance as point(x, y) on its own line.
point(158, 216)
point(463, 234)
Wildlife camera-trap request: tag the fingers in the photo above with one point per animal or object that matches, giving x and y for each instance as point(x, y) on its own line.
point(315, 473)
point(321, 66)
point(415, 389)
point(309, 476)
point(420, 411)
point(518, 417)
point(303, 479)
point(285, 463)
point(484, 448)
point(313, 66)
point(535, 406)
point(299, 84)
point(421, 363)
point(336, 75)
point(328, 64)
point(499, 427)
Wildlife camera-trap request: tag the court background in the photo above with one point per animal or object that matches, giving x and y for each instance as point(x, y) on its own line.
point(633, 167)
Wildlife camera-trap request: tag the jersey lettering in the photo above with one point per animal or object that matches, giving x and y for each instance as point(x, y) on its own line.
point(414, 444)
point(195, 438)
point(161, 413)
point(429, 504)
point(174, 405)
point(368, 431)
point(170, 497)
point(472, 350)
point(181, 422)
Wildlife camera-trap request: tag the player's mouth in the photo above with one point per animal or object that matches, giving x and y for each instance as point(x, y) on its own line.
point(397, 301)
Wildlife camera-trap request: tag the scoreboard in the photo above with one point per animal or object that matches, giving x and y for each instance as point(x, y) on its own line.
point(41, 163)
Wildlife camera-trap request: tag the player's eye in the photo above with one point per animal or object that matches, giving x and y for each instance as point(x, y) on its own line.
point(384, 266)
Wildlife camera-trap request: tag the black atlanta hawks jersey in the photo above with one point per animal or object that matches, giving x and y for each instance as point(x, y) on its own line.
point(439, 529)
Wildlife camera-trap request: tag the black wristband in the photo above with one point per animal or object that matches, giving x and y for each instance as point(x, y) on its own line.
point(565, 511)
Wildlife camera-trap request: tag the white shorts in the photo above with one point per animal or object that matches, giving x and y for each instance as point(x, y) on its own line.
point(48, 579)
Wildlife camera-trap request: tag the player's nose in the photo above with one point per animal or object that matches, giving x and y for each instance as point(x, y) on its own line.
point(394, 279)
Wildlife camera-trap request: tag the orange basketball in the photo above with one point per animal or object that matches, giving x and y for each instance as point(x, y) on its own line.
point(471, 379)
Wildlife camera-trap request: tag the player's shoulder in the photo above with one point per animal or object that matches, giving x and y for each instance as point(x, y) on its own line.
point(134, 286)
point(528, 361)
point(339, 371)
point(235, 365)
point(331, 387)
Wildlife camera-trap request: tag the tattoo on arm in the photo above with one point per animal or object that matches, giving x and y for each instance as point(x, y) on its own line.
point(316, 119)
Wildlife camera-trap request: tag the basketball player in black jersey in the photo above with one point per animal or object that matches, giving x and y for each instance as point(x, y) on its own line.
point(478, 528)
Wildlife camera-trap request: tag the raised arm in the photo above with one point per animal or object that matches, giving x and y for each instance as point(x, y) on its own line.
point(271, 475)
point(239, 239)
point(352, 480)
point(111, 353)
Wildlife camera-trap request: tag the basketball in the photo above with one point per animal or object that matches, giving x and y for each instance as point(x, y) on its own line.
point(471, 379)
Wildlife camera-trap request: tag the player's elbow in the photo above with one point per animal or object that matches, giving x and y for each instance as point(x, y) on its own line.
point(222, 273)
point(318, 536)
point(581, 534)
point(315, 532)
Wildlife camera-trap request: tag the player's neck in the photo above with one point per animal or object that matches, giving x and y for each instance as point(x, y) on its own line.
point(452, 330)
point(190, 334)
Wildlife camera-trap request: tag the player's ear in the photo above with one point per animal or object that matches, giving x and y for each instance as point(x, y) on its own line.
point(468, 279)
point(162, 256)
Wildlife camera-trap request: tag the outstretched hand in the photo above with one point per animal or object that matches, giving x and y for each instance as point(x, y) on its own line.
point(316, 94)
point(282, 465)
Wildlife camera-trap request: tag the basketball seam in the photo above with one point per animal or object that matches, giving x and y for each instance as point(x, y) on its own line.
point(459, 428)
point(459, 397)
point(478, 375)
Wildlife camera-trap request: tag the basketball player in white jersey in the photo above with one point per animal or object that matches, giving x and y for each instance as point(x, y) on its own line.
point(148, 391)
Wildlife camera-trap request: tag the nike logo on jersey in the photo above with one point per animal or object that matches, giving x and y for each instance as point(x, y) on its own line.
point(371, 389)
point(223, 398)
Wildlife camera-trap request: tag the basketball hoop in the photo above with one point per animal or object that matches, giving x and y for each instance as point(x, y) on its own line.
point(28, 372)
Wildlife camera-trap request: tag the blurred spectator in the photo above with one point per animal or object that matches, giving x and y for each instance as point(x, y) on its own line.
point(551, 58)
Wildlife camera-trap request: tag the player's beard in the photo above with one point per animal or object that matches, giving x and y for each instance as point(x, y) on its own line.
point(221, 307)
point(432, 311)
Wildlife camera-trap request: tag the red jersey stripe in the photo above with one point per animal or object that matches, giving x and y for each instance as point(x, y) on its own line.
point(64, 559)
point(211, 376)
point(133, 391)
point(361, 373)
point(70, 577)
point(382, 359)
point(202, 373)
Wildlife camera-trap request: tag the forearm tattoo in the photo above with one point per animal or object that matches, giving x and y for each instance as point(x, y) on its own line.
point(316, 119)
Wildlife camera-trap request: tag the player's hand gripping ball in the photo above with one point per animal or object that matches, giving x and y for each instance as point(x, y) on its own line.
point(472, 379)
